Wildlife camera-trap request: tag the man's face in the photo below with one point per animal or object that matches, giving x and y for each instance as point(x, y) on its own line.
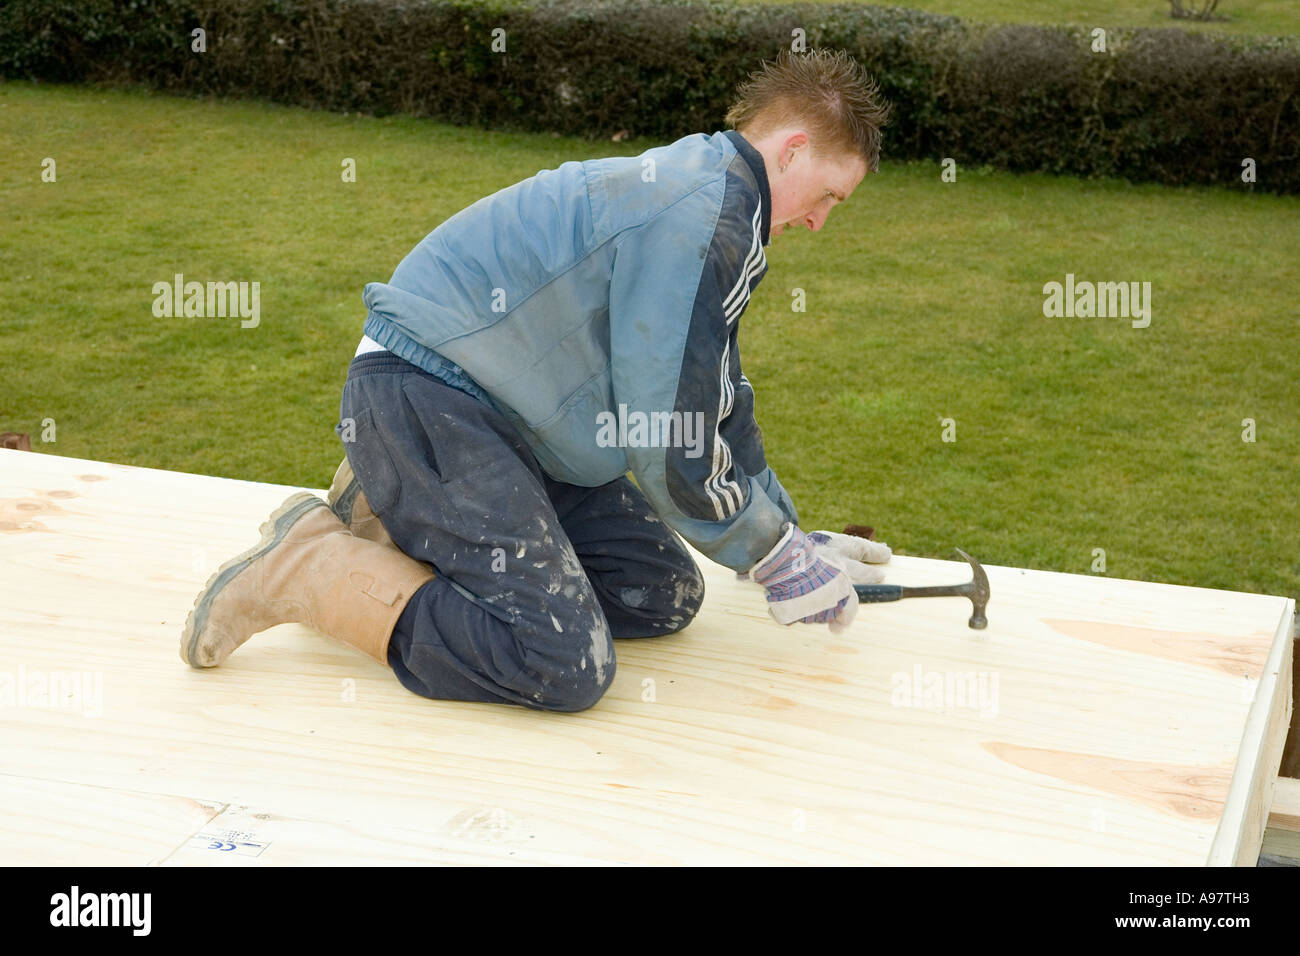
point(811, 185)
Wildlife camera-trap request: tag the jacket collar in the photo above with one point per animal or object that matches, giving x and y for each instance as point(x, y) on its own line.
point(759, 169)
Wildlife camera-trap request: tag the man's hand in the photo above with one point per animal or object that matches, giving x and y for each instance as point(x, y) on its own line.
point(805, 584)
point(854, 552)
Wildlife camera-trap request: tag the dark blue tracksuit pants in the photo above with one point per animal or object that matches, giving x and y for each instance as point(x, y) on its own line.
point(533, 577)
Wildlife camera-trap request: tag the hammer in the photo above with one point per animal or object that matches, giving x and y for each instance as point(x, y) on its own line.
point(977, 589)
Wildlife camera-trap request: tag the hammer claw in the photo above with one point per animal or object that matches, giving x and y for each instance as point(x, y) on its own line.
point(977, 589)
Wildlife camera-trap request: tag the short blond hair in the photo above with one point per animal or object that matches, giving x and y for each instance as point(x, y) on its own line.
point(826, 92)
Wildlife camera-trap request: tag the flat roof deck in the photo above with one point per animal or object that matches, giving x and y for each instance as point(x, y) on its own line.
point(1095, 722)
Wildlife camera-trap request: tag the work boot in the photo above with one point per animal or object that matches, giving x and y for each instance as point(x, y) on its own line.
point(349, 503)
point(307, 569)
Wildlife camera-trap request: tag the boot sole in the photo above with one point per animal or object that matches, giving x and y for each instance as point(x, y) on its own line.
point(273, 531)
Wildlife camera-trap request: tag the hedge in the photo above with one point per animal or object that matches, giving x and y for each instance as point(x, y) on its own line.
point(1158, 105)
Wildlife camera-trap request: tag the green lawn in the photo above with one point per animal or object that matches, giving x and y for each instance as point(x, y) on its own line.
point(1275, 17)
point(924, 302)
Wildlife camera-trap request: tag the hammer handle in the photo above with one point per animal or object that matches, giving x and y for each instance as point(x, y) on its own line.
point(878, 593)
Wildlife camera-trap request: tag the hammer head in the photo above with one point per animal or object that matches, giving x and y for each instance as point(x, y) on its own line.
point(979, 593)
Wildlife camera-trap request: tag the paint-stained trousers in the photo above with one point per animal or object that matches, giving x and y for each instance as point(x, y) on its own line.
point(533, 577)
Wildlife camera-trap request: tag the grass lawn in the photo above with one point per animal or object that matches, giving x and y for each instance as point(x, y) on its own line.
point(923, 303)
point(1274, 17)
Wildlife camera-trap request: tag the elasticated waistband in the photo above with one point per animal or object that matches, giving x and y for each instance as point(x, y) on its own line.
point(382, 362)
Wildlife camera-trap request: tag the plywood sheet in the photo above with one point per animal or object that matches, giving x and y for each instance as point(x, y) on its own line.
point(49, 823)
point(1095, 721)
point(1281, 846)
point(1285, 812)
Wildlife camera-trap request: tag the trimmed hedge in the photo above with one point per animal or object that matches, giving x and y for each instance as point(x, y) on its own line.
point(1160, 105)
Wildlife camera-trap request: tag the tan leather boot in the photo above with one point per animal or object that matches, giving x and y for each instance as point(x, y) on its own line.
point(307, 569)
point(349, 503)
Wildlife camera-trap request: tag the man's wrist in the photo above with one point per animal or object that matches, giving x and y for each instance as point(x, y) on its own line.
point(787, 532)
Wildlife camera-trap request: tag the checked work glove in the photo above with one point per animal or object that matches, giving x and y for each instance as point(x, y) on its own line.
point(857, 554)
point(807, 582)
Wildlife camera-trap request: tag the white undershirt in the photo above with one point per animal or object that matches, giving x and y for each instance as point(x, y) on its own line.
point(368, 345)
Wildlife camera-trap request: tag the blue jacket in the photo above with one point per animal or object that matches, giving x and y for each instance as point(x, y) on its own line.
point(596, 306)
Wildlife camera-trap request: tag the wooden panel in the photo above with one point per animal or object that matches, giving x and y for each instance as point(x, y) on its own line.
point(244, 836)
point(1281, 846)
point(1285, 811)
point(1255, 781)
point(1291, 752)
point(48, 823)
point(1096, 721)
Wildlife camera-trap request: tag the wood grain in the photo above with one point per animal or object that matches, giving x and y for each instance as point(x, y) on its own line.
point(1078, 729)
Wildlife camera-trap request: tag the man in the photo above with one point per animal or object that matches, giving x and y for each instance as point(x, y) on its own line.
point(526, 356)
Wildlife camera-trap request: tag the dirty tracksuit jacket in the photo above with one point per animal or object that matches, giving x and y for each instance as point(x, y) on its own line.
point(590, 298)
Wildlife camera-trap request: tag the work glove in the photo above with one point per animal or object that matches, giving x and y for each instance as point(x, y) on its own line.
point(806, 585)
point(858, 554)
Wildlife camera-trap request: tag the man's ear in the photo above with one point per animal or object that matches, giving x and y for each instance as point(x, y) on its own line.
point(796, 142)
